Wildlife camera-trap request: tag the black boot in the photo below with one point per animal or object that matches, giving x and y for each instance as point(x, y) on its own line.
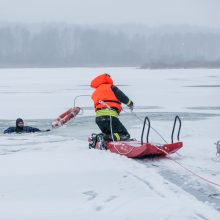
point(92, 141)
point(101, 142)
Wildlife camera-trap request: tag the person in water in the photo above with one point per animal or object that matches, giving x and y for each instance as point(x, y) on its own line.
point(107, 100)
point(20, 128)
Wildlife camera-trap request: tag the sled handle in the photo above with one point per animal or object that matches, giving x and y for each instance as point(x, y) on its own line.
point(148, 130)
point(174, 126)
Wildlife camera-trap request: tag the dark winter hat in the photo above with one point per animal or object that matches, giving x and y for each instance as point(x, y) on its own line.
point(18, 121)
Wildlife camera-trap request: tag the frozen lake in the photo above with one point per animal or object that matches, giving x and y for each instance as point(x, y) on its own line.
point(39, 95)
point(31, 90)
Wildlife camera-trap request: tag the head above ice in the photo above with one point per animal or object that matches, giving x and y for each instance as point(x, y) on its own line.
point(19, 123)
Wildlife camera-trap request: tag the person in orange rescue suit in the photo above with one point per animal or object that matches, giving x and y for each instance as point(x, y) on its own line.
point(107, 100)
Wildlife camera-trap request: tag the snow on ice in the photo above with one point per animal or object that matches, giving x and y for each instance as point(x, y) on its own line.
point(55, 176)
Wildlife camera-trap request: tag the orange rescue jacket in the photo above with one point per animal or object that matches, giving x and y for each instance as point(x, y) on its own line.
point(103, 92)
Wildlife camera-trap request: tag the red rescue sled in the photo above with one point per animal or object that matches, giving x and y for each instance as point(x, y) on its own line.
point(139, 149)
point(65, 117)
point(135, 149)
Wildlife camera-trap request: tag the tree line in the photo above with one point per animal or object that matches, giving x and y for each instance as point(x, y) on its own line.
point(62, 45)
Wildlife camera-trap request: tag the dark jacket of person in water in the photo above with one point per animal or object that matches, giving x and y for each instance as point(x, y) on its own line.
point(20, 128)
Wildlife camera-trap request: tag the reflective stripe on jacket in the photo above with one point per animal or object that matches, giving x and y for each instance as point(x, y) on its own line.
point(106, 112)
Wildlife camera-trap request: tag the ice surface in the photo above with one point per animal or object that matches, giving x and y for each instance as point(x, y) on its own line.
point(55, 176)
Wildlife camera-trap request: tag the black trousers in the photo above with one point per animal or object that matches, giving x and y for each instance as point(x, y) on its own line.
point(118, 129)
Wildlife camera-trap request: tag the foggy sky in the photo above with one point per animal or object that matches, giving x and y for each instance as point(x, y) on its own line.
point(150, 12)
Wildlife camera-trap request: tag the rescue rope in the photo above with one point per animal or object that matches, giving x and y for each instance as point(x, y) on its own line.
point(187, 169)
point(174, 160)
point(167, 154)
point(112, 134)
point(150, 126)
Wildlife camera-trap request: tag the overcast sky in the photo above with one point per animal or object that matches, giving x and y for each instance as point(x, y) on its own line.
point(150, 12)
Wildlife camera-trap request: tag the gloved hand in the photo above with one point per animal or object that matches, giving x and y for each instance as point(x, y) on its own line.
point(47, 130)
point(131, 106)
